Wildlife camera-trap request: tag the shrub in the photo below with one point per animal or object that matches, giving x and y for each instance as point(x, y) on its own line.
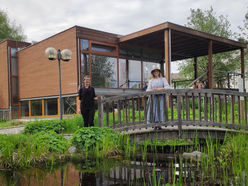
point(90, 137)
point(44, 125)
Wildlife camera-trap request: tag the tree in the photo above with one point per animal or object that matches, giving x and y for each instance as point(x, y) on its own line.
point(207, 21)
point(9, 30)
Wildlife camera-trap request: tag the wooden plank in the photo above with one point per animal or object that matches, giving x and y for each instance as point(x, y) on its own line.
point(226, 112)
point(145, 109)
point(220, 109)
point(158, 106)
point(151, 109)
point(239, 113)
point(232, 108)
point(113, 112)
point(183, 107)
point(199, 107)
point(107, 114)
point(205, 107)
point(171, 106)
point(133, 111)
point(187, 106)
point(166, 108)
point(139, 106)
point(179, 117)
point(119, 112)
point(193, 106)
point(210, 107)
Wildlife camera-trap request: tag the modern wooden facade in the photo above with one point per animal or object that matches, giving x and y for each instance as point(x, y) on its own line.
point(117, 65)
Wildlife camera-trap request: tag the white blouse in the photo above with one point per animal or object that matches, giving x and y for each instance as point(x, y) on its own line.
point(158, 83)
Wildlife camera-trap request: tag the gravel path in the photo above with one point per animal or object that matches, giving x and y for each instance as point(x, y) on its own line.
point(11, 130)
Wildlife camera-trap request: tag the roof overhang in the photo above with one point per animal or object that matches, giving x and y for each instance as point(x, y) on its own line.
point(185, 42)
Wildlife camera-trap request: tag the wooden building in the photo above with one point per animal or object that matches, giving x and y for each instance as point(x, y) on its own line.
point(117, 64)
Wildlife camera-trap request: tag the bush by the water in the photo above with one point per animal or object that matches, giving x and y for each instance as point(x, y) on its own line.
point(20, 150)
point(95, 137)
point(66, 125)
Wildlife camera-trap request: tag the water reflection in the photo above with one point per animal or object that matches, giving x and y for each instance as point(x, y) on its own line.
point(103, 173)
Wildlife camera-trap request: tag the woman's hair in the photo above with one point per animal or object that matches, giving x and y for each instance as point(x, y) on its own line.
point(160, 74)
point(86, 76)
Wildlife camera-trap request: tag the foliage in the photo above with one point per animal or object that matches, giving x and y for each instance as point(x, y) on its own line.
point(207, 21)
point(44, 125)
point(10, 30)
point(20, 150)
point(90, 137)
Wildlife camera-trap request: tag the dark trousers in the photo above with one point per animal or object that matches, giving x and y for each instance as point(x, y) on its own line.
point(88, 117)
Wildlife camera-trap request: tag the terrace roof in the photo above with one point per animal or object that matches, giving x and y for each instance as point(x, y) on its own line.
point(185, 42)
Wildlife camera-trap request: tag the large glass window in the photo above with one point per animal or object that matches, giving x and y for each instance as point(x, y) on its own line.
point(14, 67)
point(104, 71)
point(102, 48)
point(123, 73)
point(134, 74)
point(24, 108)
point(84, 44)
point(13, 51)
point(14, 87)
point(84, 64)
point(36, 107)
point(51, 106)
point(69, 105)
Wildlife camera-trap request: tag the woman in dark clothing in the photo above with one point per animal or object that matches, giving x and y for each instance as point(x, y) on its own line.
point(87, 96)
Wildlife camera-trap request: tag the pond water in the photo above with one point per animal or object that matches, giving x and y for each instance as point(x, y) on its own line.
point(114, 171)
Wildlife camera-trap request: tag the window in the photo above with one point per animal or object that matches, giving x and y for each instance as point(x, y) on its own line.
point(123, 73)
point(14, 89)
point(84, 44)
point(104, 71)
point(84, 64)
point(69, 105)
point(134, 74)
point(13, 51)
point(36, 108)
point(14, 67)
point(103, 48)
point(51, 106)
point(24, 108)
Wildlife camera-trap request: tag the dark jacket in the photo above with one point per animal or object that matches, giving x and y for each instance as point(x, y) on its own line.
point(87, 95)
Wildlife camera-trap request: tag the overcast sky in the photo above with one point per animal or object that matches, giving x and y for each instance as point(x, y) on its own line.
point(43, 18)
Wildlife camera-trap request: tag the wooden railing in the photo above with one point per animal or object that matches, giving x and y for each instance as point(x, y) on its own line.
point(176, 107)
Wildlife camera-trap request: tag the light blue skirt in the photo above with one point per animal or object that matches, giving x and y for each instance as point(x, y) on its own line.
point(155, 110)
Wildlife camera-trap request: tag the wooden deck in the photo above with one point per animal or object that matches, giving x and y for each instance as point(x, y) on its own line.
point(187, 113)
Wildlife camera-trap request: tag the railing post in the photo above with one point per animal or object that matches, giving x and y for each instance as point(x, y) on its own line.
point(100, 111)
point(179, 117)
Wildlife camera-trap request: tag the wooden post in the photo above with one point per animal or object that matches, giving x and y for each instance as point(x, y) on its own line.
point(195, 68)
point(210, 64)
point(242, 57)
point(100, 112)
point(167, 57)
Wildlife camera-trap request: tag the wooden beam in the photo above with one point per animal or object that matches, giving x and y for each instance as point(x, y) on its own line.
point(210, 64)
point(242, 57)
point(167, 54)
point(143, 32)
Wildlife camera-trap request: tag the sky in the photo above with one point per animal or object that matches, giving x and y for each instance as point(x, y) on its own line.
point(43, 18)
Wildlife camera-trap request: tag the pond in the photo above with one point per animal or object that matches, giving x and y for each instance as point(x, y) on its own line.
point(114, 171)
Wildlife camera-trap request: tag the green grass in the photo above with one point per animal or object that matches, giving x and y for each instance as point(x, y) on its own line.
point(13, 123)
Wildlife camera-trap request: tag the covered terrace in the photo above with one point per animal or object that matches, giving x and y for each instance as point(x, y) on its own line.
point(175, 42)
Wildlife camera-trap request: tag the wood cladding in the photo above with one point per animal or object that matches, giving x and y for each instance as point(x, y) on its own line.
point(95, 35)
point(39, 76)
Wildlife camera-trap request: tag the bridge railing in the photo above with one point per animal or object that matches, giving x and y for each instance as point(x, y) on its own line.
point(175, 107)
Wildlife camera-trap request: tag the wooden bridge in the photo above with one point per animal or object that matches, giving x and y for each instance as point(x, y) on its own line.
point(186, 113)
